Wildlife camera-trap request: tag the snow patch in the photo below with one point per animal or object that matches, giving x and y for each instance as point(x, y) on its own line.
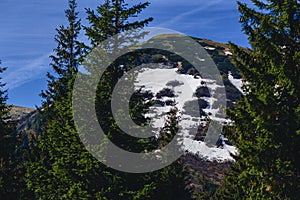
point(238, 83)
point(210, 153)
point(155, 80)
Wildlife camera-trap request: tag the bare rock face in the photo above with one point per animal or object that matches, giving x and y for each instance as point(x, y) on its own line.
point(18, 112)
point(27, 119)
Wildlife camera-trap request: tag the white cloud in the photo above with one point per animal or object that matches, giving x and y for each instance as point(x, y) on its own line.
point(22, 37)
point(200, 6)
point(22, 71)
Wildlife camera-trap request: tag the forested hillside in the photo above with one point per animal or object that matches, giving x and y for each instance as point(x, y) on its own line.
point(79, 143)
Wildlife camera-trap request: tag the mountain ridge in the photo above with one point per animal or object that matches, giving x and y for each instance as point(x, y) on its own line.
point(30, 120)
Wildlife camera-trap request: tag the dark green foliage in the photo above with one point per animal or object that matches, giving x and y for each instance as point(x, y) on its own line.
point(166, 92)
point(6, 127)
point(232, 93)
point(113, 17)
point(203, 190)
point(267, 119)
point(68, 55)
point(203, 104)
point(110, 18)
point(202, 92)
point(171, 127)
point(219, 58)
point(172, 179)
point(226, 67)
point(7, 148)
point(138, 107)
point(195, 107)
point(67, 170)
point(12, 167)
point(167, 183)
point(64, 169)
point(61, 167)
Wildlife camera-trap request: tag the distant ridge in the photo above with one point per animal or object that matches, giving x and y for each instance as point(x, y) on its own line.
point(18, 112)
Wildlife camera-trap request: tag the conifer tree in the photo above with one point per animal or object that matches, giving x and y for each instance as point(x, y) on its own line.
point(114, 17)
point(12, 182)
point(68, 54)
point(267, 118)
point(111, 18)
point(7, 146)
point(65, 170)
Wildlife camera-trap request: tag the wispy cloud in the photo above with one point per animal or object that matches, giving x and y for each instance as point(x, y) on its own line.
point(21, 72)
point(28, 29)
point(202, 5)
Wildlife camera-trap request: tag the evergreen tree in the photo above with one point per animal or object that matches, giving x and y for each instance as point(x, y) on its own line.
point(12, 168)
point(114, 17)
point(111, 18)
point(64, 169)
point(267, 118)
point(172, 180)
point(7, 146)
point(68, 54)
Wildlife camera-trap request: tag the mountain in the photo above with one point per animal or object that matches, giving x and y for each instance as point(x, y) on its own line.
point(28, 120)
point(177, 83)
point(18, 112)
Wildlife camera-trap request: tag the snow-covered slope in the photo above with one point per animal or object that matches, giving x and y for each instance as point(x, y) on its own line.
point(156, 80)
point(238, 83)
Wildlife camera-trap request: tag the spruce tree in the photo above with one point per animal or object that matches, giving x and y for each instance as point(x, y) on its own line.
point(7, 146)
point(111, 18)
point(114, 17)
point(68, 54)
point(65, 170)
point(12, 169)
point(266, 121)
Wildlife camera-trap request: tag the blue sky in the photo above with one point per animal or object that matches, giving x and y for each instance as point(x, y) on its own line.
point(28, 29)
